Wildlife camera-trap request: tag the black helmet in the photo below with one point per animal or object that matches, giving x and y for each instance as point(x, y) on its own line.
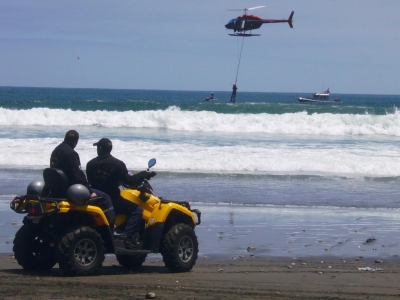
point(35, 188)
point(78, 194)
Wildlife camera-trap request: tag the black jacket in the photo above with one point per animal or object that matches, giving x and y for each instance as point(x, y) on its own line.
point(67, 160)
point(105, 172)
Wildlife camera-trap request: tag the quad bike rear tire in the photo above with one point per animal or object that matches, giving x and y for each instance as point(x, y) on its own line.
point(131, 261)
point(33, 250)
point(81, 252)
point(180, 248)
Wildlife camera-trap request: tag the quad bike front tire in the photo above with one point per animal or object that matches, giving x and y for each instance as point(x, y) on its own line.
point(81, 252)
point(180, 248)
point(33, 250)
point(131, 261)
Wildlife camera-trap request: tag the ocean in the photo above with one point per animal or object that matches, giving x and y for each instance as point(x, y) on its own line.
point(268, 172)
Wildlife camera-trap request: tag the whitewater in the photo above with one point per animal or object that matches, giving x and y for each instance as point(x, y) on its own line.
point(208, 142)
point(174, 118)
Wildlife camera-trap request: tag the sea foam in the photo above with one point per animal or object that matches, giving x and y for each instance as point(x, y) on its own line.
point(275, 157)
point(173, 118)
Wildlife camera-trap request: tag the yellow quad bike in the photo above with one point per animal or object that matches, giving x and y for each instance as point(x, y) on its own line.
point(66, 227)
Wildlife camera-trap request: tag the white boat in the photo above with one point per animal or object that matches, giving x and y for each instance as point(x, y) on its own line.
point(319, 97)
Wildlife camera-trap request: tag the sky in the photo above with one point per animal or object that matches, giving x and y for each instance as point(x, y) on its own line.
point(350, 46)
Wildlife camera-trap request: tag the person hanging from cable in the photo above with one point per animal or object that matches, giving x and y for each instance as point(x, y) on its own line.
point(233, 96)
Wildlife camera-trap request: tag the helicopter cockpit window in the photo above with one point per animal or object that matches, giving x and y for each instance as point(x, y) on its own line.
point(233, 21)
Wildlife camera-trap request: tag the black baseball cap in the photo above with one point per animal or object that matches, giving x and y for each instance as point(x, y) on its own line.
point(104, 144)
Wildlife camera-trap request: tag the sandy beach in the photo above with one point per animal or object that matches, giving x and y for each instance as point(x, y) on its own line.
point(331, 259)
point(327, 254)
point(212, 278)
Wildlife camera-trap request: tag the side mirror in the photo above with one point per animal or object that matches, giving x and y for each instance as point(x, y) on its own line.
point(151, 163)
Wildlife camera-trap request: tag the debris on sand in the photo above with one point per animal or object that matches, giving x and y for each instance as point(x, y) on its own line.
point(370, 240)
point(151, 295)
point(370, 269)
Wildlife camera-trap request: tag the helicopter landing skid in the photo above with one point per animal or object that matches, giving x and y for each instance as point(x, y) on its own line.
point(243, 34)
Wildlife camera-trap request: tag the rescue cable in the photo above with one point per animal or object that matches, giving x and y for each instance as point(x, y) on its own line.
point(240, 57)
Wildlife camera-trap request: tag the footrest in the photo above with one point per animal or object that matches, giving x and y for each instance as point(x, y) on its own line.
point(124, 251)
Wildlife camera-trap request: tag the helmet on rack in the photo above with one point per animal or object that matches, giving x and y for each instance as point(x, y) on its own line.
point(78, 194)
point(35, 188)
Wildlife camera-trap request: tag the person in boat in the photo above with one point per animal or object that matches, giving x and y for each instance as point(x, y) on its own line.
point(106, 172)
point(65, 158)
point(212, 96)
point(233, 96)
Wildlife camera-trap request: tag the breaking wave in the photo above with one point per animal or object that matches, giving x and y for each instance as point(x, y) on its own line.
point(173, 118)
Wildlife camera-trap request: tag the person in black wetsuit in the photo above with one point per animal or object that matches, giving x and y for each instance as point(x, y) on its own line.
point(233, 96)
point(106, 172)
point(65, 158)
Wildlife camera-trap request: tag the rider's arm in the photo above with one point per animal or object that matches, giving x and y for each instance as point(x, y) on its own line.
point(129, 178)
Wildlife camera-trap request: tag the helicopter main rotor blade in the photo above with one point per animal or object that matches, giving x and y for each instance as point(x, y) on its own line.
point(256, 7)
point(246, 9)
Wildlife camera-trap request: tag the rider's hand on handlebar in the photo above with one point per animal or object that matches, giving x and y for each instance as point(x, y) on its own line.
point(146, 174)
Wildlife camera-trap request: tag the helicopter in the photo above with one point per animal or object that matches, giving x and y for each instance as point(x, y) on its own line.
point(249, 22)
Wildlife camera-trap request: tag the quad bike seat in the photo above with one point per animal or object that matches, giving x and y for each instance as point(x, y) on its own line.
point(56, 182)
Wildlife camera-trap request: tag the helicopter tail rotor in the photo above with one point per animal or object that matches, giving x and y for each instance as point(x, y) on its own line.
point(290, 20)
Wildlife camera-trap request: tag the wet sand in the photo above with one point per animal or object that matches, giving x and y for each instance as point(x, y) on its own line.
point(213, 278)
point(228, 231)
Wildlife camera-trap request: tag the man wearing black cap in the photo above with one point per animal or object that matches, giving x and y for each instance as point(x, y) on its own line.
point(65, 158)
point(106, 172)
